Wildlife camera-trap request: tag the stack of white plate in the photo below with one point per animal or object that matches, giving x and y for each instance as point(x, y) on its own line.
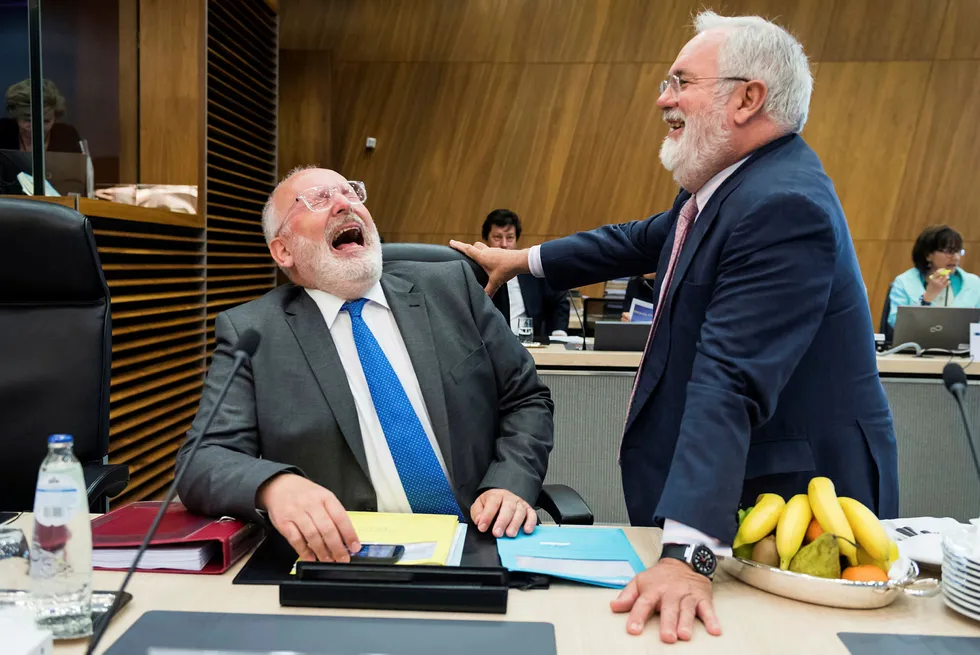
point(961, 571)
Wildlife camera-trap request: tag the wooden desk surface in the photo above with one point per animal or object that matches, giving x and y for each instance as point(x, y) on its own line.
point(752, 621)
point(556, 356)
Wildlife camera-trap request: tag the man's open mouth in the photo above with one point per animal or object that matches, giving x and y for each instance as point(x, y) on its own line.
point(349, 237)
point(675, 124)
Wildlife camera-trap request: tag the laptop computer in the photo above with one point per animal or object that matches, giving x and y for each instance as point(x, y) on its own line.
point(942, 328)
point(616, 335)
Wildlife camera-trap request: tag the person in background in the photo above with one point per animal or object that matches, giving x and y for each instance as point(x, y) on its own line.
point(394, 389)
point(16, 130)
point(936, 278)
point(524, 296)
point(641, 288)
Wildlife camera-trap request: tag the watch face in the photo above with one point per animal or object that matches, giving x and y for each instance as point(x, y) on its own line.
point(703, 560)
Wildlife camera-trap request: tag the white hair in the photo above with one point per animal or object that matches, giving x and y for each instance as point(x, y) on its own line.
point(758, 49)
point(270, 217)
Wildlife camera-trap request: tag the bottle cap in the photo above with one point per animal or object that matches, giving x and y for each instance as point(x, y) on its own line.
point(60, 438)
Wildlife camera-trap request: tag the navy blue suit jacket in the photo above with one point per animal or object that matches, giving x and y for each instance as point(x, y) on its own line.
point(545, 306)
point(762, 372)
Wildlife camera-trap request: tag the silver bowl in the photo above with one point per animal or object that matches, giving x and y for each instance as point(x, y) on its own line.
point(832, 593)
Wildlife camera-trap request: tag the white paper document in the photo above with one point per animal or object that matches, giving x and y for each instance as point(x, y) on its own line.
point(578, 568)
point(181, 558)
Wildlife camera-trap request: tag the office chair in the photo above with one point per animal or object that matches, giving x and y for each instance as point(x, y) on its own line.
point(883, 325)
point(55, 350)
point(562, 503)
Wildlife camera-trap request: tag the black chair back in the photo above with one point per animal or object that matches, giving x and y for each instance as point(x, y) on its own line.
point(427, 252)
point(55, 342)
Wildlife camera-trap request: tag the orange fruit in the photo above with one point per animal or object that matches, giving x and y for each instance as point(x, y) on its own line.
point(864, 573)
point(812, 532)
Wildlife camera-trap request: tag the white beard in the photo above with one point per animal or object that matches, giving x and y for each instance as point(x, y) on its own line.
point(700, 150)
point(348, 277)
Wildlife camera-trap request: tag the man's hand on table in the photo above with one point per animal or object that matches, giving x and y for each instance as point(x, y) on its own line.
point(673, 589)
point(310, 517)
point(509, 509)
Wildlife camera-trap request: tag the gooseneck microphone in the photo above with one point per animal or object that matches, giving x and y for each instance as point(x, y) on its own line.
point(571, 301)
point(247, 344)
point(954, 377)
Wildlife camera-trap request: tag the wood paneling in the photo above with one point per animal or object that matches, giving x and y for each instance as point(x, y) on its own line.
point(128, 91)
point(304, 109)
point(884, 30)
point(961, 31)
point(171, 104)
point(863, 123)
point(940, 184)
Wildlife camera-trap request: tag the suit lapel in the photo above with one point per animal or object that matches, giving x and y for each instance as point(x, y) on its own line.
point(412, 319)
point(306, 322)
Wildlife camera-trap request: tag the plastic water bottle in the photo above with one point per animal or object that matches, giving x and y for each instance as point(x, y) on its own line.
point(61, 548)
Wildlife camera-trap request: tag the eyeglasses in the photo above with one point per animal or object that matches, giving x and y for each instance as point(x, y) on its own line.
point(674, 83)
point(953, 251)
point(321, 198)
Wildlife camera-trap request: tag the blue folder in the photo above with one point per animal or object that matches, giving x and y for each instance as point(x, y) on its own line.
point(599, 556)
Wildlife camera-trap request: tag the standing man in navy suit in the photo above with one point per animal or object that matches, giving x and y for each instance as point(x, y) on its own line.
point(760, 370)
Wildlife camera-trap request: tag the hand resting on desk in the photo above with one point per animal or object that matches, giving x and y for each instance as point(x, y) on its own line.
point(511, 511)
point(310, 517)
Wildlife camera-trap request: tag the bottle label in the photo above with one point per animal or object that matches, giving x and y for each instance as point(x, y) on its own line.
point(56, 499)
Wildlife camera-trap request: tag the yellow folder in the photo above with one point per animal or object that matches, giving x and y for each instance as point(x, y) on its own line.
point(427, 538)
point(405, 529)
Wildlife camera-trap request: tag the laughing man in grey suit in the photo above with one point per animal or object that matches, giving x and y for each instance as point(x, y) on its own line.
point(394, 391)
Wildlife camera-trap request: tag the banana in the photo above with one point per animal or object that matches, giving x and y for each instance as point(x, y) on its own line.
point(761, 520)
point(830, 516)
point(791, 528)
point(866, 528)
point(865, 558)
point(892, 552)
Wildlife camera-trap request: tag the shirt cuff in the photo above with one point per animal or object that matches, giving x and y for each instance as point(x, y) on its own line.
point(678, 533)
point(534, 261)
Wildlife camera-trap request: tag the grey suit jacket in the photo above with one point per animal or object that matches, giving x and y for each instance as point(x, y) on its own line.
point(291, 409)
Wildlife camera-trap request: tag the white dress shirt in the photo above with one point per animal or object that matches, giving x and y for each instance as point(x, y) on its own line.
point(674, 532)
point(517, 308)
point(377, 314)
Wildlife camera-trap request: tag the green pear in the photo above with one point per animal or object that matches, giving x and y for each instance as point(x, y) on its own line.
point(744, 551)
point(820, 558)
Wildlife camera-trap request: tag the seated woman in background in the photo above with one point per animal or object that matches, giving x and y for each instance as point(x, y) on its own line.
point(936, 279)
point(15, 130)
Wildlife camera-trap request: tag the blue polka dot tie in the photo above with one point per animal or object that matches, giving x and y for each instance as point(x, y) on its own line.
point(425, 484)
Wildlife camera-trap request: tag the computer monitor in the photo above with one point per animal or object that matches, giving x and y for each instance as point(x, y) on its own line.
point(67, 172)
point(942, 328)
point(616, 335)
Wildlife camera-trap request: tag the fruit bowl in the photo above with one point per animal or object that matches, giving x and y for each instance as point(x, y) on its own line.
point(823, 591)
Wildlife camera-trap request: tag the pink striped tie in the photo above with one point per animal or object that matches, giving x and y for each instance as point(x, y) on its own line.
point(681, 229)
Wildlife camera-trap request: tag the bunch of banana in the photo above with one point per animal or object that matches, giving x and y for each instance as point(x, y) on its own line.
point(828, 512)
point(761, 520)
point(792, 528)
point(871, 537)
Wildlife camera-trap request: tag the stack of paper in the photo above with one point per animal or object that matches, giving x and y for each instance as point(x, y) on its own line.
point(181, 558)
point(599, 556)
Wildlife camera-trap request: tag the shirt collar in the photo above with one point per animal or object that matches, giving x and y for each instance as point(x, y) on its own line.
point(704, 194)
point(330, 304)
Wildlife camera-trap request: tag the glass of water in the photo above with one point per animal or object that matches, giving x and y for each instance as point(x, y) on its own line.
point(525, 330)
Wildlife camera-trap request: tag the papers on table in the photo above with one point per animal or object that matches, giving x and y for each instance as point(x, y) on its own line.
point(180, 558)
point(599, 556)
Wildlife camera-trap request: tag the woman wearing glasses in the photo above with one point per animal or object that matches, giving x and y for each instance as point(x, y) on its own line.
point(936, 279)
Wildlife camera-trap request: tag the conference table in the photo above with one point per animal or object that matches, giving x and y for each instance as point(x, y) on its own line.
point(591, 390)
point(752, 621)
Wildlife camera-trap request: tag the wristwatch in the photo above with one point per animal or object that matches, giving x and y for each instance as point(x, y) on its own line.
point(698, 556)
point(923, 301)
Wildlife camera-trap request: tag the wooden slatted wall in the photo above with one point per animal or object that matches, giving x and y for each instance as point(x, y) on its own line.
point(242, 93)
point(156, 282)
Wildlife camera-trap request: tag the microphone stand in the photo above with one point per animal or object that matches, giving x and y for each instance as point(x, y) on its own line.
point(241, 356)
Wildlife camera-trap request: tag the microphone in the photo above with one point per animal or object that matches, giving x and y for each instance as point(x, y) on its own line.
point(954, 377)
point(571, 301)
point(247, 344)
